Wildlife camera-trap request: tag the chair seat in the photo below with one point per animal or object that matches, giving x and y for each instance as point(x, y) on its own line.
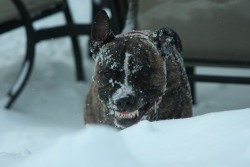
point(213, 32)
point(9, 12)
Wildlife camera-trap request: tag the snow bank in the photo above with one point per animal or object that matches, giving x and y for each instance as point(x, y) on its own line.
point(216, 139)
point(94, 146)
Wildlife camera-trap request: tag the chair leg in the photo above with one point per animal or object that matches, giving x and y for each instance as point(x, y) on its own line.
point(116, 15)
point(190, 72)
point(26, 68)
point(78, 59)
point(76, 47)
point(122, 8)
point(23, 76)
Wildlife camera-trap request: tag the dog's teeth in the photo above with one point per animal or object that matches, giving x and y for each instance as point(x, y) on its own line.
point(133, 114)
point(127, 115)
point(117, 114)
point(137, 113)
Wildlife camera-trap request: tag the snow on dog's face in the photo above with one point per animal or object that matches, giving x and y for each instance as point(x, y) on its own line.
point(130, 72)
point(129, 77)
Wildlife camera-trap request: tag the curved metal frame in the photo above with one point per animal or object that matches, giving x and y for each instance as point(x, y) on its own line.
point(29, 57)
point(35, 36)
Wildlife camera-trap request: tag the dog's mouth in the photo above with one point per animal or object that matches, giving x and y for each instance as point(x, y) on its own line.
point(134, 114)
point(126, 118)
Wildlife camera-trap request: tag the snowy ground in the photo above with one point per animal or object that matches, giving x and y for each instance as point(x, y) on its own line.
point(45, 125)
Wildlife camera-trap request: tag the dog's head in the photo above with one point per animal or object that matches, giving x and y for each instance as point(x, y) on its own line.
point(130, 72)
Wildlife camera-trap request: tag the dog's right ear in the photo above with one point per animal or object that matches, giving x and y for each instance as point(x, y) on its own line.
point(101, 32)
point(165, 39)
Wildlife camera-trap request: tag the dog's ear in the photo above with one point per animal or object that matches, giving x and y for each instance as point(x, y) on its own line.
point(166, 39)
point(100, 27)
point(100, 32)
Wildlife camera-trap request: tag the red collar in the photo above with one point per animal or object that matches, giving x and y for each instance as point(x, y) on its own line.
point(135, 32)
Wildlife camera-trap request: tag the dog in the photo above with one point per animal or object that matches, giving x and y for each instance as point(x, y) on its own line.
point(139, 75)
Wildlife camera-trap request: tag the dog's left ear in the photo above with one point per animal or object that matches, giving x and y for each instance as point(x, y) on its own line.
point(166, 39)
point(100, 32)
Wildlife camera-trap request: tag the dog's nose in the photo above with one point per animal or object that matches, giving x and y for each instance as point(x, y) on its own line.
point(125, 103)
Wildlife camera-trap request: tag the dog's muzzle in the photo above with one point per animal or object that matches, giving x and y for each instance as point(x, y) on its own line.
point(125, 103)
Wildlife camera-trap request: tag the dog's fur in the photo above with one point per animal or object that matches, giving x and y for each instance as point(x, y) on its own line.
point(138, 75)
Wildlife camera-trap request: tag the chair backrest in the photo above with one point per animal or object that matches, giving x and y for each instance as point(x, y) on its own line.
point(209, 29)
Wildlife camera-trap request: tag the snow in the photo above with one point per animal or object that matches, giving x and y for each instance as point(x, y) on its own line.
point(78, 149)
point(45, 125)
point(126, 68)
point(216, 139)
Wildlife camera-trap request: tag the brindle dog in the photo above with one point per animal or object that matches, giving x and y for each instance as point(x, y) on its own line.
point(139, 75)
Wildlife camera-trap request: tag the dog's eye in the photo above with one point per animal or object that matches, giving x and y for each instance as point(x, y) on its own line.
point(145, 74)
point(154, 88)
point(107, 74)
